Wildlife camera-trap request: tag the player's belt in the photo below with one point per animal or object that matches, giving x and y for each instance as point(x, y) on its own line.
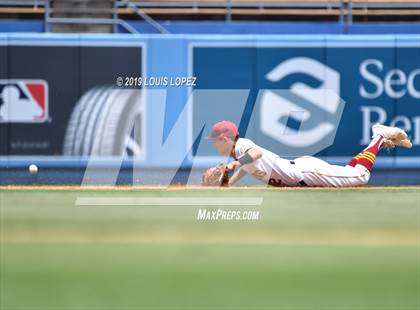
point(301, 183)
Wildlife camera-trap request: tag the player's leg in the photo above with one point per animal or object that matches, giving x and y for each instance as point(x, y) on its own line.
point(319, 173)
point(367, 157)
point(383, 137)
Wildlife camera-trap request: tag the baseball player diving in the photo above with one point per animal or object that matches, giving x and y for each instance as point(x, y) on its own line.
point(249, 158)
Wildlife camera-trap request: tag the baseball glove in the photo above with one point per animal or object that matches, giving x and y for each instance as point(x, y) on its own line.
point(216, 176)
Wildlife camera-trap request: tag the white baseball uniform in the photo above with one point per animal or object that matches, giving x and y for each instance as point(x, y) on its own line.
point(302, 171)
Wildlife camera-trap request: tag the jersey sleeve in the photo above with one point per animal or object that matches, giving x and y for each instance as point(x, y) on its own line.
point(242, 146)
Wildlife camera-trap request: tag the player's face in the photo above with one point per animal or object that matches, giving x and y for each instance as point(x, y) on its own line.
point(223, 145)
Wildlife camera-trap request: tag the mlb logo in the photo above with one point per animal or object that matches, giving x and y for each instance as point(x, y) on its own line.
point(23, 101)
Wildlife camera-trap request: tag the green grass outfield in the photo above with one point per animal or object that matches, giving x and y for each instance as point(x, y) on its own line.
point(310, 249)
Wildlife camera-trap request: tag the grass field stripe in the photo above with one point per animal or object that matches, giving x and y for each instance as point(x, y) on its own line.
point(169, 201)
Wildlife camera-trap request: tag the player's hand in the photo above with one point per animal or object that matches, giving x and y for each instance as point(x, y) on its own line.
point(233, 165)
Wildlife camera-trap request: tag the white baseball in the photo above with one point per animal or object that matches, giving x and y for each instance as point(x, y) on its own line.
point(33, 169)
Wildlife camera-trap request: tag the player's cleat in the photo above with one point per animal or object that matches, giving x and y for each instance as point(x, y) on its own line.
point(387, 144)
point(406, 143)
point(394, 135)
point(388, 132)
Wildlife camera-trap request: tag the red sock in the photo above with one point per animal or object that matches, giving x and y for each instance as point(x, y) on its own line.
point(353, 161)
point(367, 157)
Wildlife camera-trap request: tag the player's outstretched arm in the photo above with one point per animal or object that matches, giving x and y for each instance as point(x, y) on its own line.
point(255, 153)
point(236, 177)
point(250, 156)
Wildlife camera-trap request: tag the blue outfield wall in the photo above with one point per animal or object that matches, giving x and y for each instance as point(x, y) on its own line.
point(238, 77)
point(242, 27)
point(266, 27)
point(21, 26)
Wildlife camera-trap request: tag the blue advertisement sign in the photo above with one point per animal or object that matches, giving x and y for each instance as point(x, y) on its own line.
point(289, 111)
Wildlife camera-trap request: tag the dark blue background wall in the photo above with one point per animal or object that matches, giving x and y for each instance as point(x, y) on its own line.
point(242, 27)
